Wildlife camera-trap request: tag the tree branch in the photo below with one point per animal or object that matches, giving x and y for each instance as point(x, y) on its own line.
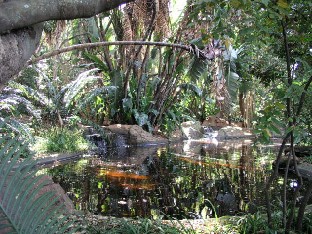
point(105, 43)
point(16, 14)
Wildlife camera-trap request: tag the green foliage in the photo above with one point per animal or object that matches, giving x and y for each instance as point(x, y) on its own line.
point(26, 206)
point(141, 226)
point(76, 87)
point(14, 104)
point(61, 140)
point(230, 57)
point(16, 127)
point(254, 223)
point(269, 122)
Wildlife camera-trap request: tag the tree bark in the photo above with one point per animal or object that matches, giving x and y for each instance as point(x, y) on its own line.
point(15, 49)
point(21, 27)
point(16, 14)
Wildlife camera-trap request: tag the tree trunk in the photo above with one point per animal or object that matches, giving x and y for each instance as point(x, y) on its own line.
point(21, 27)
point(15, 14)
point(15, 49)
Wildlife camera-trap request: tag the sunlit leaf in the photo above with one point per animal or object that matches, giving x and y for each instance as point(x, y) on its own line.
point(282, 3)
point(235, 3)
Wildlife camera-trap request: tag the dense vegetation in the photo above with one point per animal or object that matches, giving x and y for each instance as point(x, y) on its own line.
point(242, 60)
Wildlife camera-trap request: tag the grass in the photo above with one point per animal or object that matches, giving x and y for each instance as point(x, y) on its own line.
point(61, 140)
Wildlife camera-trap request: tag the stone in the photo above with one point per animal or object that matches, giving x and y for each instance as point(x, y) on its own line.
point(177, 135)
point(305, 170)
point(283, 162)
point(192, 130)
point(230, 132)
point(213, 121)
point(135, 135)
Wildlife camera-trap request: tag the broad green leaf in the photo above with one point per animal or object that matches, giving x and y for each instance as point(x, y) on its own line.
point(265, 2)
point(282, 3)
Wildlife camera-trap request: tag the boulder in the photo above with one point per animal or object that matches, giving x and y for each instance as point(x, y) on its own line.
point(230, 132)
point(283, 163)
point(305, 170)
point(215, 122)
point(192, 130)
point(135, 135)
point(177, 135)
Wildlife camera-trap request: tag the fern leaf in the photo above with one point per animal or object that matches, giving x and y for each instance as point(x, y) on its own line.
point(89, 98)
point(75, 87)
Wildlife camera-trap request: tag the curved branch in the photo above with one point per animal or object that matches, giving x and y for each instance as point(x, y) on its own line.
point(105, 43)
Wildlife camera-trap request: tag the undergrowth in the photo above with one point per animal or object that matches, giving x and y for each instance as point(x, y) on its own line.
point(140, 226)
point(61, 140)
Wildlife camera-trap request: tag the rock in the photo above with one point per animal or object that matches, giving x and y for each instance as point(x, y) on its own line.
point(283, 163)
point(305, 170)
point(135, 135)
point(213, 121)
point(177, 135)
point(230, 132)
point(301, 151)
point(59, 192)
point(192, 130)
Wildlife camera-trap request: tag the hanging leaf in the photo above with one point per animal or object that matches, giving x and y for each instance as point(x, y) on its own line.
point(198, 68)
point(265, 2)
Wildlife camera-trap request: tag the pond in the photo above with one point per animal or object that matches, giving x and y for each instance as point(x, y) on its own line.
point(184, 180)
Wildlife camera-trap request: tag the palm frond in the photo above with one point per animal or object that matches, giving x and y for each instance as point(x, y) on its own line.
point(28, 203)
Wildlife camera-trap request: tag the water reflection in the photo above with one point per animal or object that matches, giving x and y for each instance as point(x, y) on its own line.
point(190, 180)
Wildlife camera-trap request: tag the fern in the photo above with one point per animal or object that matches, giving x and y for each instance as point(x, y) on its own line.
point(27, 205)
point(89, 98)
point(29, 93)
point(75, 87)
point(14, 105)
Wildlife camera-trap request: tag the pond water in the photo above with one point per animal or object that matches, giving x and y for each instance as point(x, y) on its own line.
point(184, 180)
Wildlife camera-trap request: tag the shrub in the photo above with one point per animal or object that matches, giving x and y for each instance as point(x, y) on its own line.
point(61, 140)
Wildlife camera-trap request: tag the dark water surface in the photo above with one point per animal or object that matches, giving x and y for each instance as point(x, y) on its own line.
point(185, 180)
